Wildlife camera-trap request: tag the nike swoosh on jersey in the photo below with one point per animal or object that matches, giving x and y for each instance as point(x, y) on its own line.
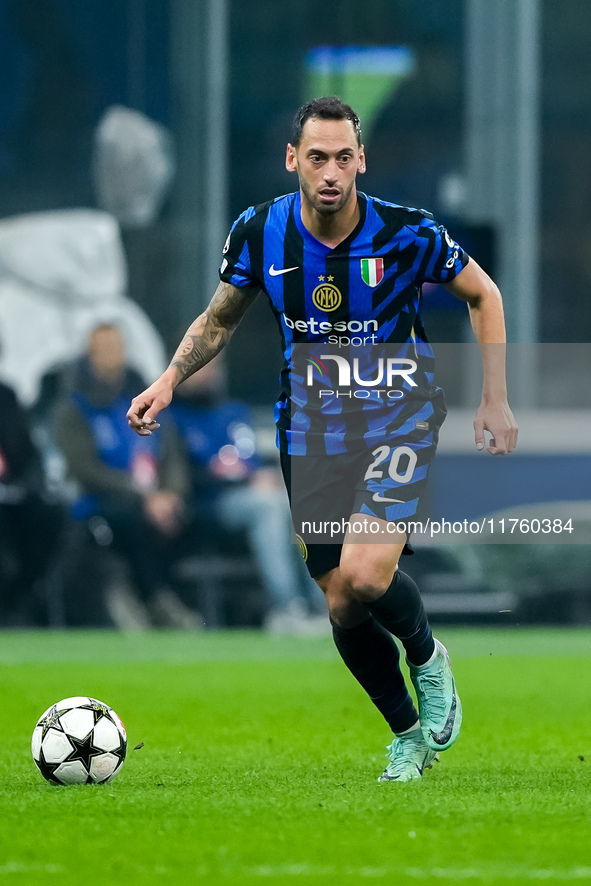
point(275, 272)
point(377, 497)
point(444, 736)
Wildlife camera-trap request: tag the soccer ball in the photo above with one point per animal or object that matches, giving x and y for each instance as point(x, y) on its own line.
point(79, 740)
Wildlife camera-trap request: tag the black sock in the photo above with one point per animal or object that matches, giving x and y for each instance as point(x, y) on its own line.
point(372, 656)
point(400, 610)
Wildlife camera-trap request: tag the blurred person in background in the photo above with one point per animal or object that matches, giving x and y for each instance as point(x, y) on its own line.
point(31, 523)
point(233, 491)
point(137, 490)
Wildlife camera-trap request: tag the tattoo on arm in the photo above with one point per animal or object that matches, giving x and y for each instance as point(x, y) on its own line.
point(212, 330)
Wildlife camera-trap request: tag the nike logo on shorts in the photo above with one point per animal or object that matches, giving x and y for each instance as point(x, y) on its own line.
point(377, 497)
point(276, 272)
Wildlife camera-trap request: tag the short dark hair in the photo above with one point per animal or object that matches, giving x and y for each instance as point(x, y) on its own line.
point(331, 107)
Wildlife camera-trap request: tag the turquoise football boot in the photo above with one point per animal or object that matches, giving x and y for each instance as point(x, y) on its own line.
point(409, 757)
point(440, 709)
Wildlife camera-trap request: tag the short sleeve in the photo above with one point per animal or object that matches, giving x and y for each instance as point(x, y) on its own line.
point(235, 267)
point(443, 258)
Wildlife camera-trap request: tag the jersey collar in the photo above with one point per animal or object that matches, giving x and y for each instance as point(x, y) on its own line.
point(344, 245)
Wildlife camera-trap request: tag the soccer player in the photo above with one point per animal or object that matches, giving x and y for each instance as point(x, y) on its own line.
point(333, 260)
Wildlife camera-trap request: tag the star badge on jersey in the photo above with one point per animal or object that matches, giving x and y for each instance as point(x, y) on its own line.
point(372, 271)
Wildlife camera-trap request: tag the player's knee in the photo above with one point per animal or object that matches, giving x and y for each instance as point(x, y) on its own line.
point(367, 570)
point(336, 598)
point(345, 612)
point(366, 585)
point(340, 614)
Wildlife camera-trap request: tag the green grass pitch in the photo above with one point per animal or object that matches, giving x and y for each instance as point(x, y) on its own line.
point(261, 757)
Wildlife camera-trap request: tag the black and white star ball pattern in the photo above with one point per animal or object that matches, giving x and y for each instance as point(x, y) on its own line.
point(79, 740)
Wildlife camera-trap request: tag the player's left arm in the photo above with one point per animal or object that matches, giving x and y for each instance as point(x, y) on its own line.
point(485, 306)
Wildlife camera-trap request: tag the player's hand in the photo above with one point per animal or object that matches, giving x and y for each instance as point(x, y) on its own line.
point(498, 420)
point(141, 415)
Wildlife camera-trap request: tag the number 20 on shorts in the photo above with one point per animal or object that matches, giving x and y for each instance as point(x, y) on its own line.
point(385, 453)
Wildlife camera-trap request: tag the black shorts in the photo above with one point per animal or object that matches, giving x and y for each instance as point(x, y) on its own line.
point(385, 482)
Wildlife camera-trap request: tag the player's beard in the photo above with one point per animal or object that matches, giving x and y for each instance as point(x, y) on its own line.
point(313, 199)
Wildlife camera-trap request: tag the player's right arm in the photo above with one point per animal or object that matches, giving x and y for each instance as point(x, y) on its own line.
point(204, 338)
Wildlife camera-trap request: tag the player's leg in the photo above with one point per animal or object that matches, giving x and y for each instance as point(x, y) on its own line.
point(370, 653)
point(371, 576)
point(366, 648)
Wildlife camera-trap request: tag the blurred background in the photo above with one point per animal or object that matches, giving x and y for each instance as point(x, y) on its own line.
point(132, 133)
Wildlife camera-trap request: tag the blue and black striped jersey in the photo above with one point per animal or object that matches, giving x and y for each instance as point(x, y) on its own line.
point(348, 301)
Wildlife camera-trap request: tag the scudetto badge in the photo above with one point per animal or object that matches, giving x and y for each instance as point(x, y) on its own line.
point(372, 271)
point(327, 297)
